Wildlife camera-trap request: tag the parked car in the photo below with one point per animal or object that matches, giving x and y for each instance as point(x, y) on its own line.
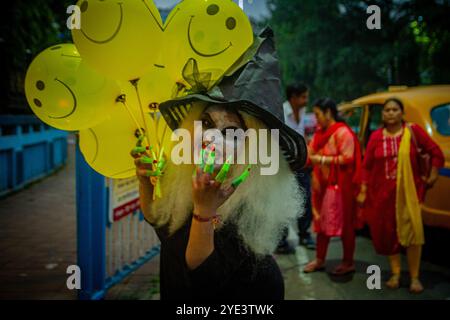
point(429, 107)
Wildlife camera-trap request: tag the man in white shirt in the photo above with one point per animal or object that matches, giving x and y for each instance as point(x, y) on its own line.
point(294, 116)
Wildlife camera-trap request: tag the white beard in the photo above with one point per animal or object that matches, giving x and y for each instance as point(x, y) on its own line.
point(261, 207)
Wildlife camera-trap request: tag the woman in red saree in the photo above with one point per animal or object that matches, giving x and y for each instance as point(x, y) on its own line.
point(336, 157)
point(393, 187)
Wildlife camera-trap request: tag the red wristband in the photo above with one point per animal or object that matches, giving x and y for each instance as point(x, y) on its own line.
point(215, 219)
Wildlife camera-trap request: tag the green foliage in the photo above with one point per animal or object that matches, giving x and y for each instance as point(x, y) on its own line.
point(326, 44)
point(27, 28)
point(35, 26)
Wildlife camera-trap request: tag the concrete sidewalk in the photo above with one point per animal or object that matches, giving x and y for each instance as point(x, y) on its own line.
point(38, 237)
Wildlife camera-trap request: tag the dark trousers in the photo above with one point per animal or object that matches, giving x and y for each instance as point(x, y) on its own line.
point(304, 222)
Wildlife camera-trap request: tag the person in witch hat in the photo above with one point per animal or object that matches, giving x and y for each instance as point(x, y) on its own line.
point(218, 232)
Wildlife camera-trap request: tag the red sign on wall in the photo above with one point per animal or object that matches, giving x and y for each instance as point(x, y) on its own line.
point(123, 198)
point(125, 209)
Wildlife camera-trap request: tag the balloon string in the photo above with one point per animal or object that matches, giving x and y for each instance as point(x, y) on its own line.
point(164, 134)
point(147, 131)
point(156, 122)
point(155, 181)
point(134, 119)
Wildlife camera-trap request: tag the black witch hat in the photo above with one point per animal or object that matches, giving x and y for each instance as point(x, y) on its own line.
point(251, 85)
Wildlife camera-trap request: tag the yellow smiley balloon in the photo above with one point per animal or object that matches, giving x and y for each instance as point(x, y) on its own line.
point(153, 88)
point(106, 147)
point(120, 39)
point(65, 93)
point(156, 87)
point(213, 32)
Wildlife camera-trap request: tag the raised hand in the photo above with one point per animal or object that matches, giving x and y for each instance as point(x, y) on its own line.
point(146, 163)
point(209, 193)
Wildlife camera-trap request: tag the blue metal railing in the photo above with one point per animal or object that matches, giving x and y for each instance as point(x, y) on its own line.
point(106, 251)
point(29, 150)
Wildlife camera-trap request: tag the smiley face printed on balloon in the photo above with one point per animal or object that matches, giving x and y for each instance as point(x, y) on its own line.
point(64, 93)
point(109, 29)
point(213, 32)
point(196, 36)
point(120, 39)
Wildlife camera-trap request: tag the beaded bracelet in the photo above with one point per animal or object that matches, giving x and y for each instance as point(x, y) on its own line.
point(214, 219)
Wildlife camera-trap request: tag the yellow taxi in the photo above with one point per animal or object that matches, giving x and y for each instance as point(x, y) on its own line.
point(429, 107)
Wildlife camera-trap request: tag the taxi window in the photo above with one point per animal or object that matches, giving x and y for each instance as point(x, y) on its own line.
point(353, 118)
point(441, 119)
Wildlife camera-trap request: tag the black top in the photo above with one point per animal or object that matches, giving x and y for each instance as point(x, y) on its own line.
point(231, 272)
